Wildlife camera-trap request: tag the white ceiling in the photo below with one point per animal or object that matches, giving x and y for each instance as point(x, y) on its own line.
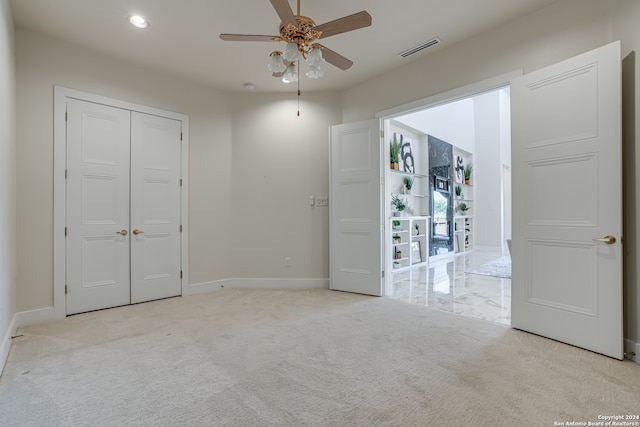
point(183, 37)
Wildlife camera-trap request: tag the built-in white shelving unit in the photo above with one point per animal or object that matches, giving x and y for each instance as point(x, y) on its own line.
point(407, 231)
point(463, 203)
point(409, 241)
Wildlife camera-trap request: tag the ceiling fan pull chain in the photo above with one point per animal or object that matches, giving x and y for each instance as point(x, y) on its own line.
point(298, 89)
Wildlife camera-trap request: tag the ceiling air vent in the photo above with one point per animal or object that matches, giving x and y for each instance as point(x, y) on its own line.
point(420, 47)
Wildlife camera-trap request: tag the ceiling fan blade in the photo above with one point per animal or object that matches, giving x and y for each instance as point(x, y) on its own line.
point(342, 25)
point(283, 9)
point(335, 59)
point(248, 38)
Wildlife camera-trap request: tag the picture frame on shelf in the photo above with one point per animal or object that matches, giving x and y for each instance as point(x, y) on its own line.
point(405, 156)
point(416, 252)
point(459, 169)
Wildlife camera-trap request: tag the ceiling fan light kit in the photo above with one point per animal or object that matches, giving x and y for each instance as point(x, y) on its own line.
point(301, 33)
point(276, 65)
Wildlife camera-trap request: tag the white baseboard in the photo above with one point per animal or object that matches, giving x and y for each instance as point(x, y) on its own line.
point(632, 347)
point(32, 317)
point(204, 287)
point(256, 283)
point(5, 345)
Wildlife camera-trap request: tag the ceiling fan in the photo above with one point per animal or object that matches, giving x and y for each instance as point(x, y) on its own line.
point(300, 33)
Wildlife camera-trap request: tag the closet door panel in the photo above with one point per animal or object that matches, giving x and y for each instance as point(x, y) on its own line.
point(97, 209)
point(155, 207)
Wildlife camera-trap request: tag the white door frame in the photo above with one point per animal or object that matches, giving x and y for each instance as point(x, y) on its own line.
point(61, 94)
point(449, 96)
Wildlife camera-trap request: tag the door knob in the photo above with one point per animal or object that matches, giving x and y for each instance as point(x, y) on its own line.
point(136, 232)
point(123, 232)
point(609, 240)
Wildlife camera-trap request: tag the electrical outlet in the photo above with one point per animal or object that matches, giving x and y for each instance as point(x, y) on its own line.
point(322, 201)
point(287, 261)
point(311, 201)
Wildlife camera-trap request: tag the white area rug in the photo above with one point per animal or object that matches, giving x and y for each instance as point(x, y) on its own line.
point(498, 268)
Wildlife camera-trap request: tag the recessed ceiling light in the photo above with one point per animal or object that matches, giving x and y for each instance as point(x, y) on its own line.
point(138, 21)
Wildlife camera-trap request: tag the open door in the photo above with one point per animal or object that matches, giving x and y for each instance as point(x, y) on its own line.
point(567, 202)
point(355, 213)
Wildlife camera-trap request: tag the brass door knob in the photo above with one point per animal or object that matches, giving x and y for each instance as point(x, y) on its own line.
point(609, 240)
point(123, 232)
point(136, 232)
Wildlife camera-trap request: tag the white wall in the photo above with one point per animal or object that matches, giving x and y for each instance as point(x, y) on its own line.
point(253, 165)
point(279, 161)
point(452, 122)
point(43, 62)
point(8, 270)
point(562, 30)
point(487, 172)
point(505, 160)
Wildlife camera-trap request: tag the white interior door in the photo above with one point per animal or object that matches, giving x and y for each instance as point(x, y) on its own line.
point(97, 206)
point(155, 207)
point(356, 225)
point(566, 193)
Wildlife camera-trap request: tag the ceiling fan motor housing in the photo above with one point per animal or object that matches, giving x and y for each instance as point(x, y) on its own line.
point(303, 35)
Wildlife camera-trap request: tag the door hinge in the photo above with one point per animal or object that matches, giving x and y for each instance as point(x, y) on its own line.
point(65, 231)
point(66, 116)
point(181, 228)
point(383, 274)
point(181, 274)
point(382, 180)
point(180, 136)
point(65, 289)
point(381, 133)
point(66, 172)
point(180, 182)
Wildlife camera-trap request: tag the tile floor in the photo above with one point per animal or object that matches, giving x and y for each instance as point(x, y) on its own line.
point(447, 285)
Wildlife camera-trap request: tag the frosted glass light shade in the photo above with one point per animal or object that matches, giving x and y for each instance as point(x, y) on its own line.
point(315, 72)
point(276, 65)
point(315, 56)
point(291, 52)
point(291, 75)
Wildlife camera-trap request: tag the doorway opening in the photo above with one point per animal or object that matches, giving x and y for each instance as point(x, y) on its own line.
point(469, 267)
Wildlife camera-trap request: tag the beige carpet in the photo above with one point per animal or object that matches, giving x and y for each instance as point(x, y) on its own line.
point(301, 358)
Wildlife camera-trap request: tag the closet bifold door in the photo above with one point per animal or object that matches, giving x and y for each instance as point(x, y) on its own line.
point(97, 206)
point(155, 207)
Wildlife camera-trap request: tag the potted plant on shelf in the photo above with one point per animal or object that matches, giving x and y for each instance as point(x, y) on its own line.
point(458, 192)
point(394, 152)
point(398, 204)
point(463, 208)
point(467, 174)
point(396, 238)
point(395, 224)
point(408, 183)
